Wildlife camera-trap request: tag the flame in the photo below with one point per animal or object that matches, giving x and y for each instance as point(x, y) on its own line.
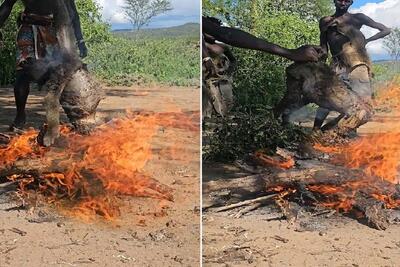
point(286, 163)
point(19, 148)
point(91, 171)
point(378, 155)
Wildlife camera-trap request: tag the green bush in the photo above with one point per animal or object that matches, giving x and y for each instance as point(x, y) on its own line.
point(123, 61)
point(259, 81)
point(260, 77)
point(248, 131)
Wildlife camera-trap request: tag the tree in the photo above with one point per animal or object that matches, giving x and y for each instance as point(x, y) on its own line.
point(140, 12)
point(392, 44)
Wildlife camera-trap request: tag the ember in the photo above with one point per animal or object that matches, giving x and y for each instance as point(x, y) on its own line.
point(87, 173)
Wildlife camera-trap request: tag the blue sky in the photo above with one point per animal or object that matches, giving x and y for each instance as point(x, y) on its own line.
point(383, 11)
point(184, 11)
point(359, 3)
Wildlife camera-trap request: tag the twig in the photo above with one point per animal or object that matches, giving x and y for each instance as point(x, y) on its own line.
point(8, 250)
point(244, 203)
point(281, 239)
point(74, 243)
point(4, 185)
point(328, 213)
point(17, 231)
point(247, 210)
point(7, 187)
point(6, 137)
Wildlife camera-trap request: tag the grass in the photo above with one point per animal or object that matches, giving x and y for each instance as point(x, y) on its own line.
point(150, 56)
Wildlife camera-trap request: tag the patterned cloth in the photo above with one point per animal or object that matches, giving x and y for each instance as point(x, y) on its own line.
point(36, 38)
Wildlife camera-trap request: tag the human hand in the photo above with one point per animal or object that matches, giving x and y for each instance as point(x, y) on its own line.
point(306, 53)
point(83, 51)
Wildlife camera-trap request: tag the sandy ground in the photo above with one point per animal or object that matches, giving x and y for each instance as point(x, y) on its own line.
point(147, 234)
point(253, 240)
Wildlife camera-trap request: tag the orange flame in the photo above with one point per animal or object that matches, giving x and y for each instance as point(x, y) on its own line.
point(96, 168)
point(287, 163)
point(376, 154)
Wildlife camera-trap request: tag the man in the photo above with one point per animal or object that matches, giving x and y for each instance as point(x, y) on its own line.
point(36, 40)
point(341, 33)
point(213, 34)
point(213, 29)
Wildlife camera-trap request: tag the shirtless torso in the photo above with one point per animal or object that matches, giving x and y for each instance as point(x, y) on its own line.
point(341, 35)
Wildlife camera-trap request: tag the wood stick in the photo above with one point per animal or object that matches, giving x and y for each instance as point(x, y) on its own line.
point(247, 210)
point(244, 203)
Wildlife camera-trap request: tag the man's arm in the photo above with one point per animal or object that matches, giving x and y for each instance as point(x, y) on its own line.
point(5, 10)
point(383, 30)
point(76, 25)
point(241, 39)
point(323, 37)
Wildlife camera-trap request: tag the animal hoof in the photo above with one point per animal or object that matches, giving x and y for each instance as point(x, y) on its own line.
point(46, 137)
point(48, 140)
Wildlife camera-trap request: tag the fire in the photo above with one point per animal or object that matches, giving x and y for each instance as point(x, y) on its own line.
point(286, 163)
point(20, 147)
point(378, 155)
point(87, 173)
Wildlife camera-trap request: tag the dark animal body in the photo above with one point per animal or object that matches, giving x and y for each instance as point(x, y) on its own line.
point(317, 83)
point(61, 73)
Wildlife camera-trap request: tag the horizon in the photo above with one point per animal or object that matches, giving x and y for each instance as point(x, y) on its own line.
point(184, 11)
point(188, 11)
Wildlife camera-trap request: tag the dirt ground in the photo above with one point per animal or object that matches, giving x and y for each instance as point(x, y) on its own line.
point(144, 235)
point(254, 240)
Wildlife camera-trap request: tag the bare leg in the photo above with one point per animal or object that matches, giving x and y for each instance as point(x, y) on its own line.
point(21, 92)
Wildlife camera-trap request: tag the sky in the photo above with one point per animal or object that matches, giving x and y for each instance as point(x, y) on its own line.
point(184, 11)
point(386, 12)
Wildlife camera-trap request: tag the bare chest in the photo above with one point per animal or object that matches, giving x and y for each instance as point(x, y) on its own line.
point(344, 29)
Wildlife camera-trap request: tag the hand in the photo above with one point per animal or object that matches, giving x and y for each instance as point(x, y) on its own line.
point(83, 51)
point(306, 53)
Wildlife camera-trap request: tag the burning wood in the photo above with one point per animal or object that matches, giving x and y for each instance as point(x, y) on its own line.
point(87, 173)
point(315, 184)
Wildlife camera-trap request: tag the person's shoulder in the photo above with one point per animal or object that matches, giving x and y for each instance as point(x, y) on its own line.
point(360, 16)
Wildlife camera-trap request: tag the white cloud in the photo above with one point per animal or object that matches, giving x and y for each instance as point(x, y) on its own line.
point(112, 11)
point(386, 12)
